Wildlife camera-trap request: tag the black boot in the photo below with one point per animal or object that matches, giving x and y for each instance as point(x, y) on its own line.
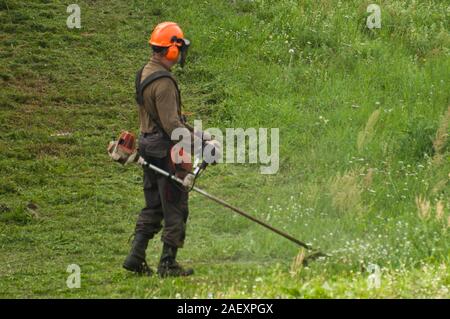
point(135, 261)
point(168, 267)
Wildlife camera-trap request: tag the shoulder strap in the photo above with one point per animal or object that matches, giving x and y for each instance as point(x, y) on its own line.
point(140, 86)
point(137, 82)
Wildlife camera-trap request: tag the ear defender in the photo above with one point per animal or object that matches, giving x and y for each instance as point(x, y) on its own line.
point(172, 53)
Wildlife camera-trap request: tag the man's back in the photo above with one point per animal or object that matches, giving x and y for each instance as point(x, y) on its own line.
point(161, 102)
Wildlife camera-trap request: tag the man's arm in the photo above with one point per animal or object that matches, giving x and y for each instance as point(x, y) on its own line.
point(167, 108)
point(167, 105)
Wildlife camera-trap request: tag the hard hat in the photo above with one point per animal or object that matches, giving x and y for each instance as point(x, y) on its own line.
point(169, 35)
point(164, 32)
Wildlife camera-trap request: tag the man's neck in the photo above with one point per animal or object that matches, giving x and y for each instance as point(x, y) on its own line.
point(160, 61)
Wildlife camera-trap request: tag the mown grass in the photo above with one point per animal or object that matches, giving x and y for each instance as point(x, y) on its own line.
point(346, 184)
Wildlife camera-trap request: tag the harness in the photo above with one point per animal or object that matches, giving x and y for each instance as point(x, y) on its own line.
point(140, 87)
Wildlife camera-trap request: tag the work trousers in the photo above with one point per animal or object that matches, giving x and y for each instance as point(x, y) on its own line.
point(166, 203)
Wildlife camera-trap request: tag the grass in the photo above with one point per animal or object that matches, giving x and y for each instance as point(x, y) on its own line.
point(363, 109)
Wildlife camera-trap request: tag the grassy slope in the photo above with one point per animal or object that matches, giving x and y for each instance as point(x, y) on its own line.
point(240, 74)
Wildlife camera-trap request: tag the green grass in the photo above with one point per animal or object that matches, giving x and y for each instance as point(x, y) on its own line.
point(62, 201)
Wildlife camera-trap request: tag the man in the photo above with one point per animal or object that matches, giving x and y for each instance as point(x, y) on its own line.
point(160, 114)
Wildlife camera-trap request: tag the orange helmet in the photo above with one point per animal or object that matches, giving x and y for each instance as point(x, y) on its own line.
point(164, 32)
point(169, 35)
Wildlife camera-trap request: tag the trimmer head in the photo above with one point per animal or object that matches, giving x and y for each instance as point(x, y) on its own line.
point(313, 256)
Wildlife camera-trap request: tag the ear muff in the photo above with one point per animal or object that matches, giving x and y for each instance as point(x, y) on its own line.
point(172, 53)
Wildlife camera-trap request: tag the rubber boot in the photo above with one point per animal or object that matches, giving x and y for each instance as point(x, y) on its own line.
point(135, 260)
point(168, 267)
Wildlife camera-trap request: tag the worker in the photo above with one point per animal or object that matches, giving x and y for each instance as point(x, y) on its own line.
point(159, 107)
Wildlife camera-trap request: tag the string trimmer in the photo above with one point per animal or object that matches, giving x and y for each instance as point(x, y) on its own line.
point(123, 151)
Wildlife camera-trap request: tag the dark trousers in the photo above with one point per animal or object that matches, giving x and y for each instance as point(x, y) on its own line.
point(166, 206)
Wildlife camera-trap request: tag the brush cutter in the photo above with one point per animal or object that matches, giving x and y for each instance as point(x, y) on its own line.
point(122, 151)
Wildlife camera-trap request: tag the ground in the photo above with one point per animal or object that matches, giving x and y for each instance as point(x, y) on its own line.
point(364, 159)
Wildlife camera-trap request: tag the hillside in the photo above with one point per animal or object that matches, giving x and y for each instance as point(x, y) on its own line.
point(364, 158)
